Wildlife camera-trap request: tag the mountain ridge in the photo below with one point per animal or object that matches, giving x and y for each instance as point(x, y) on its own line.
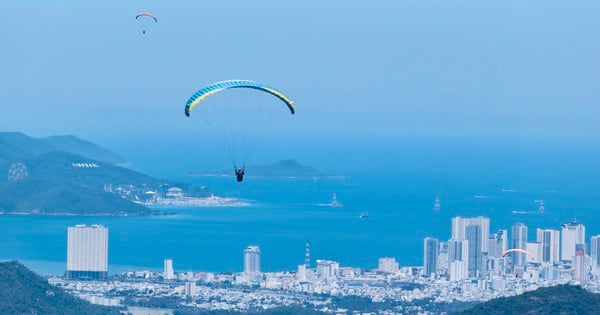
point(41, 179)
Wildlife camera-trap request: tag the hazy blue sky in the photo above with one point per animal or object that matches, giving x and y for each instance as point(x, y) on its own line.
point(459, 69)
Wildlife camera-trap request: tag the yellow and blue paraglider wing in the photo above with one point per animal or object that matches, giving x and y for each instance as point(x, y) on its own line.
point(207, 91)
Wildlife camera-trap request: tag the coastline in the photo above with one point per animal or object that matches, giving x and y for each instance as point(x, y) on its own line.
point(180, 201)
point(153, 205)
point(72, 214)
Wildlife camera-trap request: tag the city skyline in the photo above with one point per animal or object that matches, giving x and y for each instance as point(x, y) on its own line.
point(444, 275)
point(87, 250)
point(540, 256)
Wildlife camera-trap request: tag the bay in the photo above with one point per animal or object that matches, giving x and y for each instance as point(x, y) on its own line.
point(285, 213)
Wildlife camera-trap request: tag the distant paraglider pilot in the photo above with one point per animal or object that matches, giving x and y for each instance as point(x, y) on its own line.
point(239, 173)
point(145, 16)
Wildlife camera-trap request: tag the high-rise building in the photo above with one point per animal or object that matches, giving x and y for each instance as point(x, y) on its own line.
point(497, 244)
point(459, 228)
point(252, 260)
point(430, 255)
point(87, 252)
point(572, 233)
point(476, 231)
point(595, 250)
point(579, 270)
point(519, 241)
point(549, 242)
point(307, 255)
point(388, 264)
point(458, 251)
point(168, 272)
point(475, 238)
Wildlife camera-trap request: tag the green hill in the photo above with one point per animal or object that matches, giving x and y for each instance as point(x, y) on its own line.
point(562, 299)
point(24, 292)
point(51, 198)
point(38, 178)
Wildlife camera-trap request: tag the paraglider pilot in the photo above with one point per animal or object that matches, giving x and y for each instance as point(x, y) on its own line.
point(239, 173)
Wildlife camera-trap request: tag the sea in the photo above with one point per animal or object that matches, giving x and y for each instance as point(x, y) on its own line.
point(387, 212)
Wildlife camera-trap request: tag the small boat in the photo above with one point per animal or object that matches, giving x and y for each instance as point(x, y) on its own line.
point(363, 215)
point(334, 203)
point(540, 205)
point(436, 204)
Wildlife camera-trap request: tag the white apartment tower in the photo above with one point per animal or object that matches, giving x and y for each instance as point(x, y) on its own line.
point(458, 259)
point(87, 252)
point(519, 241)
point(252, 260)
point(572, 234)
point(168, 272)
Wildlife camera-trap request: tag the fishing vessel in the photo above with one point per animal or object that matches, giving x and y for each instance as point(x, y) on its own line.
point(436, 204)
point(334, 203)
point(540, 205)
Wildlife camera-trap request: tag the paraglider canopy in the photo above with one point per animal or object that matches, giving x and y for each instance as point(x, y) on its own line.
point(148, 19)
point(517, 250)
point(209, 90)
point(150, 15)
point(239, 114)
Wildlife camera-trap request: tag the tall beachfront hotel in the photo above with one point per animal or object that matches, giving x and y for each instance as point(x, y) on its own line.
point(87, 252)
point(252, 260)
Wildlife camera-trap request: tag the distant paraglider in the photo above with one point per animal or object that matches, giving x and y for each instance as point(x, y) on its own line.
point(517, 250)
point(239, 173)
point(146, 16)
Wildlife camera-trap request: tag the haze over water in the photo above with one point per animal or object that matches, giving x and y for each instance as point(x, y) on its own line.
point(285, 212)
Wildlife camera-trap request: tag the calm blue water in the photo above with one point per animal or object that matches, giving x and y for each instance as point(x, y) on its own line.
point(284, 214)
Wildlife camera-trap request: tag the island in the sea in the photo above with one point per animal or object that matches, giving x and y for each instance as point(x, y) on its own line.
point(65, 175)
